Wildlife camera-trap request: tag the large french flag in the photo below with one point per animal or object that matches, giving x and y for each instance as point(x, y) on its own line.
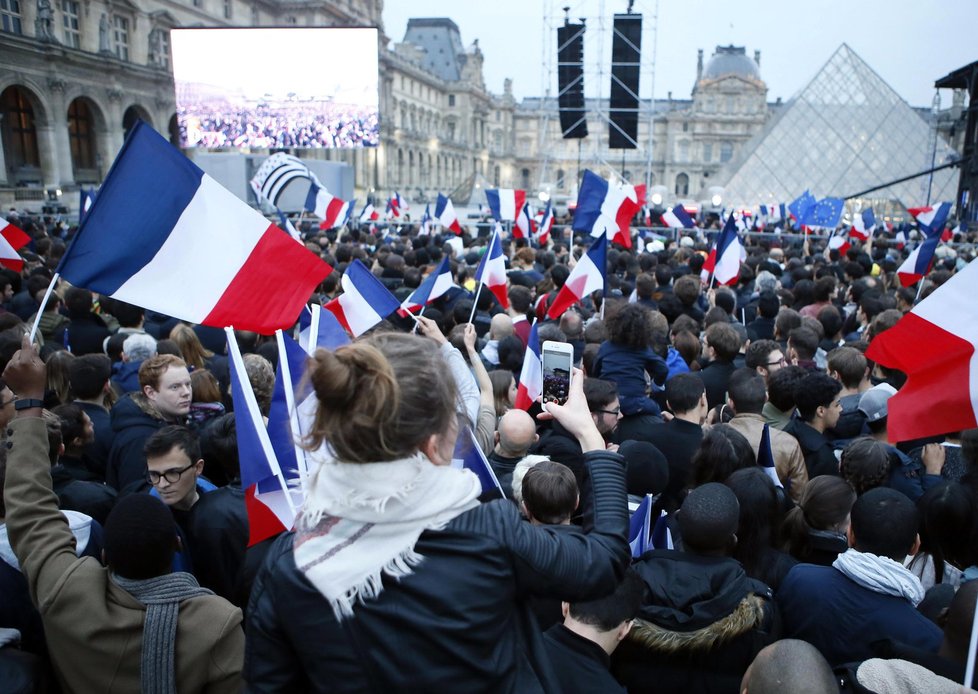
point(332, 210)
point(492, 268)
point(165, 236)
point(935, 346)
point(723, 262)
point(586, 277)
point(531, 377)
point(863, 224)
point(271, 502)
point(445, 213)
point(434, 285)
point(603, 208)
point(505, 203)
point(365, 301)
point(545, 225)
point(524, 226)
point(918, 263)
point(11, 239)
point(678, 218)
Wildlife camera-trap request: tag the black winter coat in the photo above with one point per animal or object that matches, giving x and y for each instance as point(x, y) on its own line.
point(132, 423)
point(459, 623)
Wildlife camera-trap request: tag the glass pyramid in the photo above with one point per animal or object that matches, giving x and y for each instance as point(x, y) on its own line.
point(844, 132)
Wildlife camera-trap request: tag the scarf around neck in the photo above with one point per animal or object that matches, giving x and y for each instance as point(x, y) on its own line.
point(162, 596)
point(362, 521)
point(880, 575)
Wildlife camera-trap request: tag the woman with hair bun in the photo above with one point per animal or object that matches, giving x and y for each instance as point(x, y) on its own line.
point(815, 529)
point(395, 578)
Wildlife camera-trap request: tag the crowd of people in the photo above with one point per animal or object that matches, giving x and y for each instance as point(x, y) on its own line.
point(125, 562)
point(269, 124)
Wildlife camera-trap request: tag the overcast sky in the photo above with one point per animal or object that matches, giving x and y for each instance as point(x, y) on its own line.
point(909, 43)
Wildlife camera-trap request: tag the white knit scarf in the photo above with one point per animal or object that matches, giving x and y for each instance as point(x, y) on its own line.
point(361, 521)
point(880, 575)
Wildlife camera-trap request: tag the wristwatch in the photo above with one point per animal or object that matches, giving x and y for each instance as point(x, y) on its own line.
point(28, 403)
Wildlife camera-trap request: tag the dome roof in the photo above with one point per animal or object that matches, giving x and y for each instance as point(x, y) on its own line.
point(731, 60)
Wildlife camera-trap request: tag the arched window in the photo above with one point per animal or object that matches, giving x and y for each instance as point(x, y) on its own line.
point(132, 115)
point(19, 134)
point(174, 130)
point(81, 138)
point(726, 151)
point(682, 185)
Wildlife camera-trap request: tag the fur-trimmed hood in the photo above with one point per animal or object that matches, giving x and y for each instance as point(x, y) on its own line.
point(696, 602)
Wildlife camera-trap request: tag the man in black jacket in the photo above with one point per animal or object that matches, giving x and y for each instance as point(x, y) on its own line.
point(87, 331)
point(580, 649)
point(817, 400)
point(722, 347)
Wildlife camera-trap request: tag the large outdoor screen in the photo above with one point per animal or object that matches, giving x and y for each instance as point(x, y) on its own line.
point(292, 87)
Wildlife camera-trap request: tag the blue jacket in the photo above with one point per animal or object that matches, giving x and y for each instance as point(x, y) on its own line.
point(627, 367)
point(821, 605)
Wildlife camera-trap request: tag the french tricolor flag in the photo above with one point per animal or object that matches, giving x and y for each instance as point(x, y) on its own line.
point(839, 241)
point(164, 235)
point(531, 376)
point(765, 456)
point(270, 500)
point(319, 328)
point(725, 256)
point(365, 301)
point(505, 203)
point(586, 277)
point(434, 286)
point(918, 263)
point(11, 239)
point(369, 214)
point(863, 224)
point(603, 208)
point(524, 226)
point(640, 527)
point(931, 217)
point(678, 218)
point(425, 227)
point(445, 213)
point(332, 210)
point(492, 268)
point(468, 456)
point(935, 345)
point(545, 225)
point(397, 204)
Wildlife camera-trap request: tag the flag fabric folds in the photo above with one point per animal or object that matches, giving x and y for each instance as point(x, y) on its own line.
point(270, 502)
point(286, 224)
point(799, 206)
point(332, 210)
point(765, 456)
point(606, 209)
point(365, 301)
point(505, 203)
point(319, 328)
point(445, 213)
point(640, 528)
point(368, 214)
point(86, 196)
point(12, 238)
point(425, 227)
point(545, 225)
point(492, 268)
point(824, 214)
point(929, 218)
point(275, 173)
point(468, 456)
point(919, 261)
point(935, 346)
point(530, 386)
point(839, 241)
point(586, 277)
point(524, 227)
point(723, 262)
point(156, 229)
point(864, 224)
point(678, 218)
point(434, 285)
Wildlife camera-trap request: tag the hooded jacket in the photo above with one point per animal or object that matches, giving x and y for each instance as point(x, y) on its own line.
point(702, 623)
point(134, 419)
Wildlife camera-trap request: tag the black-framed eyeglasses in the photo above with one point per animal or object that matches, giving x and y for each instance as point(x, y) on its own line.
point(613, 412)
point(780, 362)
point(172, 476)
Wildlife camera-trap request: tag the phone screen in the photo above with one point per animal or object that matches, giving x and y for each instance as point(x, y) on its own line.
point(556, 376)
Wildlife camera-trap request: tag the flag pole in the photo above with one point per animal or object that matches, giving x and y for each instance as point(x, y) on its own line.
point(969, 672)
point(44, 302)
point(920, 288)
point(476, 301)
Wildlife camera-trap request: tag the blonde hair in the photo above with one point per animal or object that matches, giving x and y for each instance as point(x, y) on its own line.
point(190, 347)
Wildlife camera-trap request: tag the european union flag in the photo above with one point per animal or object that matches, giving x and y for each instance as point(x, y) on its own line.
point(825, 213)
point(799, 206)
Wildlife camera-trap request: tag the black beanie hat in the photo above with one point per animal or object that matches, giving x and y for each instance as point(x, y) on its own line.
point(140, 537)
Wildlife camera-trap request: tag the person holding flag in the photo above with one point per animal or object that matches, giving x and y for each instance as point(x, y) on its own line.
point(394, 565)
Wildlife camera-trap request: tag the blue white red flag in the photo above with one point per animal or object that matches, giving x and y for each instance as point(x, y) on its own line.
point(545, 225)
point(524, 226)
point(492, 268)
point(365, 301)
point(164, 235)
point(918, 263)
point(332, 210)
point(640, 528)
point(434, 285)
point(839, 241)
point(931, 217)
point(468, 456)
point(445, 213)
point(530, 386)
point(505, 203)
point(270, 501)
point(765, 456)
point(319, 328)
point(396, 205)
point(368, 214)
point(11, 238)
point(603, 208)
point(287, 225)
point(661, 534)
point(587, 276)
point(723, 262)
point(425, 228)
point(678, 218)
point(863, 224)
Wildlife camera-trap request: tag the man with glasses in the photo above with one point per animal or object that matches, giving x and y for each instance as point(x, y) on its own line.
point(174, 467)
point(765, 357)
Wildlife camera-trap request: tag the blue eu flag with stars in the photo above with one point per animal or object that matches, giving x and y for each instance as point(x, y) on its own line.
point(825, 213)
